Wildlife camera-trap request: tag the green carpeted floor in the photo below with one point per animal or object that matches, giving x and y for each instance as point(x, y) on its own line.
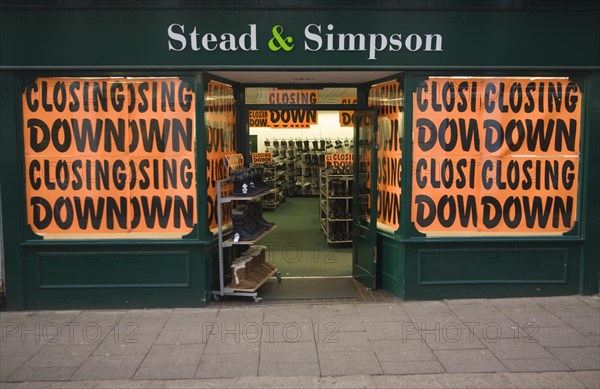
point(308, 288)
point(298, 248)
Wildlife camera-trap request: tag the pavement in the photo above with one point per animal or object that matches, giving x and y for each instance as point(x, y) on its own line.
point(548, 342)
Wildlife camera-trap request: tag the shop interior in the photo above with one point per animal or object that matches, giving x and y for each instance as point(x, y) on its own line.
point(306, 163)
point(314, 234)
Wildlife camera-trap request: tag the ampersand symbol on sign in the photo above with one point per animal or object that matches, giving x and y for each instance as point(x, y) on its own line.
point(279, 42)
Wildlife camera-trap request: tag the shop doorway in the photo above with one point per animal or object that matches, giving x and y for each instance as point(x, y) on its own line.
point(308, 139)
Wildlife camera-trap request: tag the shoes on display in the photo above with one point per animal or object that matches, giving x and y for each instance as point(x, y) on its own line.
point(244, 226)
point(255, 213)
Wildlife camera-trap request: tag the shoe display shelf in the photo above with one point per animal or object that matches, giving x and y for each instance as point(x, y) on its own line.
point(335, 206)
point(274, 178)
point(256, 270)
point(304, 158)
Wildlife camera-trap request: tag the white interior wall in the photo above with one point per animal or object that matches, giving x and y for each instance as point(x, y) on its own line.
point(328, 127)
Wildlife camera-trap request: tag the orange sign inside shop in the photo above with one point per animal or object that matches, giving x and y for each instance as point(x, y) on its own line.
point(346, 116)
point(262, 157)
point(497, 155)
point(109, 156)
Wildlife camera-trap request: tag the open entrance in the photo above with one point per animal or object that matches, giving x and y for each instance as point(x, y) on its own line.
point(315, 137)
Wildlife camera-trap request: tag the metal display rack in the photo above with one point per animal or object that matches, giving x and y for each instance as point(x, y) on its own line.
point(336, 208)
point(273, 197)
point(231, 289)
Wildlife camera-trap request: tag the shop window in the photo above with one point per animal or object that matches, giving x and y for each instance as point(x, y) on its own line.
point(495, 156)
point(109, 157)
point(220, 121)
point(387, 98)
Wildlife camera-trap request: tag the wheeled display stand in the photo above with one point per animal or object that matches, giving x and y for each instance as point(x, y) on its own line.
point(336, 206)
point(249, 289)
point(272, 178)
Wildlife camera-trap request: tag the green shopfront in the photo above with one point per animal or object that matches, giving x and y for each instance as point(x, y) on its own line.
point(475, 131)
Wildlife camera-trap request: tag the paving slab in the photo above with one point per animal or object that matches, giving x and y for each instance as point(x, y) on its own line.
point(469, 361)
point(89, 327)
point(592, 301)
point(568, 306)
point(52, 385)
point(15, 346)
point(534, 365)
point(228, 365)
point(495, 328)
point(288, 331)
point(351, 381)
point(423, 381)
point(517, 349)
point(382, 312)
point(174, 355)
point(231, 346)
point(108, 367)
point(298, 352)
point(173, 349)
point(165, 372)
point(333, 311)
point(539, 316)
point(296, 369)
point(402, 351)
point(560, 337)
point(255, 315)
point(9, 365)
point(587, 325)
point(345, 341)
point(61, 356)
point(349, 363)
point(579, 358)
point(287, 313)
point(544, 380)
point(589, 379)
point(412, 367)
point(134, 346)
point(490, 380)
point(392, 330)
point(348, 323)
point(451, 337)
point(426, 308)
point(42, 373)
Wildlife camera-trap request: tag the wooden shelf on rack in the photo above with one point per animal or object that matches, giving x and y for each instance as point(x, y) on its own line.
point(247, 198)
point(339, 241)
point(234, 288)
point(229, 242)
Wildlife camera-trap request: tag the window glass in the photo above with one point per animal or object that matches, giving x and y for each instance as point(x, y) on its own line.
point(220, 121)
point(495, 156)
point(387, 97)
point(109, 158)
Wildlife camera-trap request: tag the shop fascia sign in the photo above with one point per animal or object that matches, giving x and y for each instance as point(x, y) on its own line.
point(317, 38)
